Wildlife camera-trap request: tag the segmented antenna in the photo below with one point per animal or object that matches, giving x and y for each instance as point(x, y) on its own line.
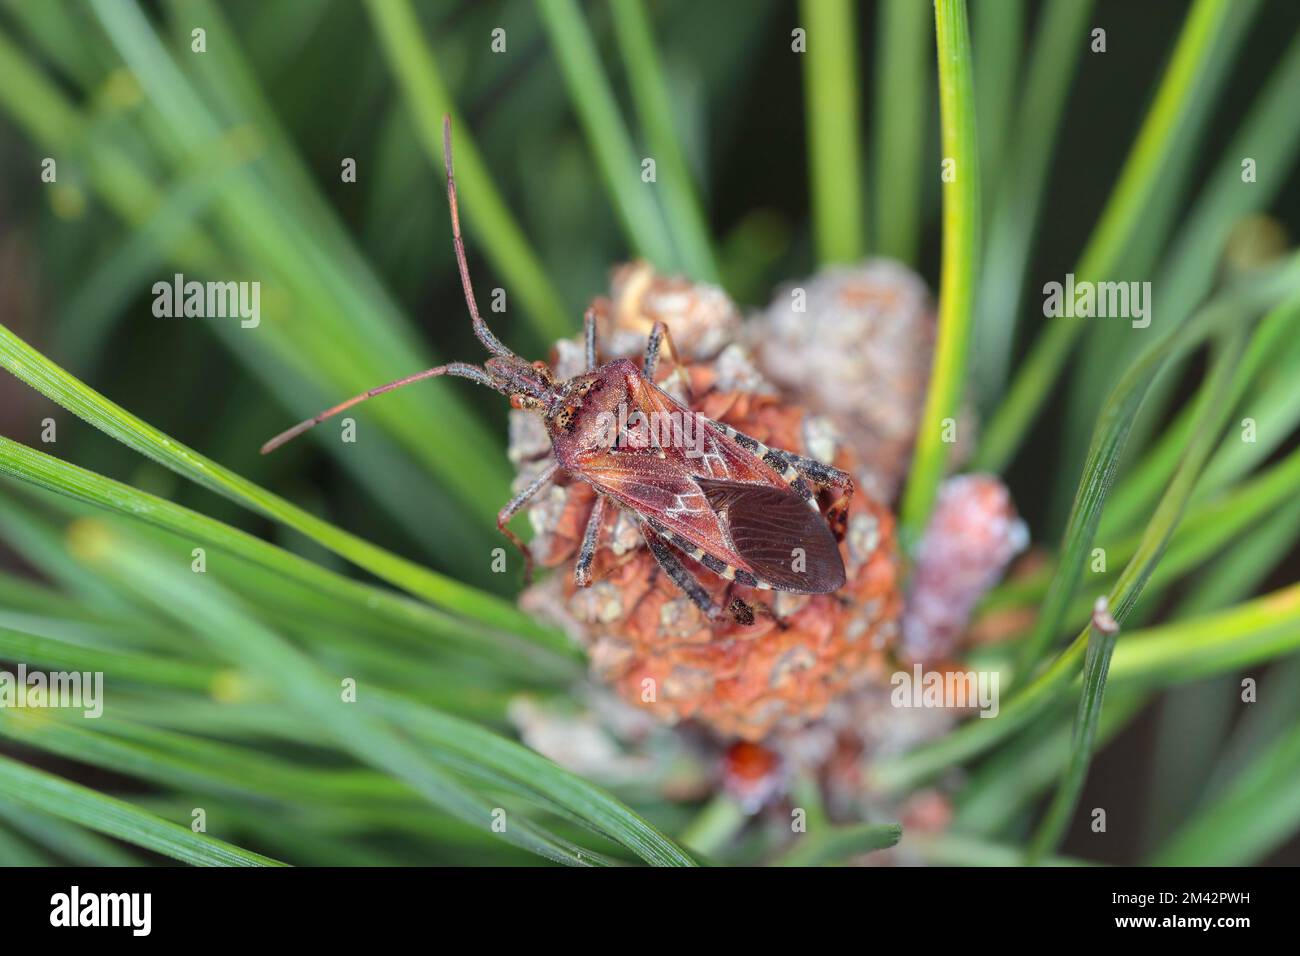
point(459, 369)
point(490, 341)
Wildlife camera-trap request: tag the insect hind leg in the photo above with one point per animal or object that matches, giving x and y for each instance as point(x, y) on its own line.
point(801, 473)
point(689, 585)
point(828, 478)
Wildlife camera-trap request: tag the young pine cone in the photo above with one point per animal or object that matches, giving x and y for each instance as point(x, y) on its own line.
point(973, 534)
point(645, 638)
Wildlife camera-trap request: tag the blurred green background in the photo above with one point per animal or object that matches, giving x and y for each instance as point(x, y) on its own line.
point(226, 164)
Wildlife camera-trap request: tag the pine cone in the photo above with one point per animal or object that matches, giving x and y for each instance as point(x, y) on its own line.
point(972, 536)
point(855, 344)
point(816, 693)
point(645, 638)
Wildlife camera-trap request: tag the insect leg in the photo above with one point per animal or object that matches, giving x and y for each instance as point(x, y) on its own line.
point(816, 472)
point(832, 479)
point(660, 336)
point(512, 508)
point(745, 613)
point(589, 328)
point(582, 570)
point(739, 611)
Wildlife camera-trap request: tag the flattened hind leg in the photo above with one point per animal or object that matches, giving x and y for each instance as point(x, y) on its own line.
point(737, 611)
point(802, 473)
point(824, 477)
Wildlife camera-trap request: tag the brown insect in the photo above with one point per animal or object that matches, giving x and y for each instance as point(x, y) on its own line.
point(696, 487)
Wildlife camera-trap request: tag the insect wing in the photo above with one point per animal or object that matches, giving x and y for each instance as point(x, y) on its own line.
point(720, 498)
point(708, 451)
point(665, 491)
point(781, 539)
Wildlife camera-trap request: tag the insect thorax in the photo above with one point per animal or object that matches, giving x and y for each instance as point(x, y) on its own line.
point(589, 408)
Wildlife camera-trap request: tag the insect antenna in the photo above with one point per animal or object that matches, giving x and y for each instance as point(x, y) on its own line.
point(459, 369)
point(528, 385)
point(490, 341)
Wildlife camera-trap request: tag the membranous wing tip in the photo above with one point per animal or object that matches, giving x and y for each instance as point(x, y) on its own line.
point(784, 542)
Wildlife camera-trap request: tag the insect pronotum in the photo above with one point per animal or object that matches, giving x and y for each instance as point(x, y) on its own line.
point(733, 506)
